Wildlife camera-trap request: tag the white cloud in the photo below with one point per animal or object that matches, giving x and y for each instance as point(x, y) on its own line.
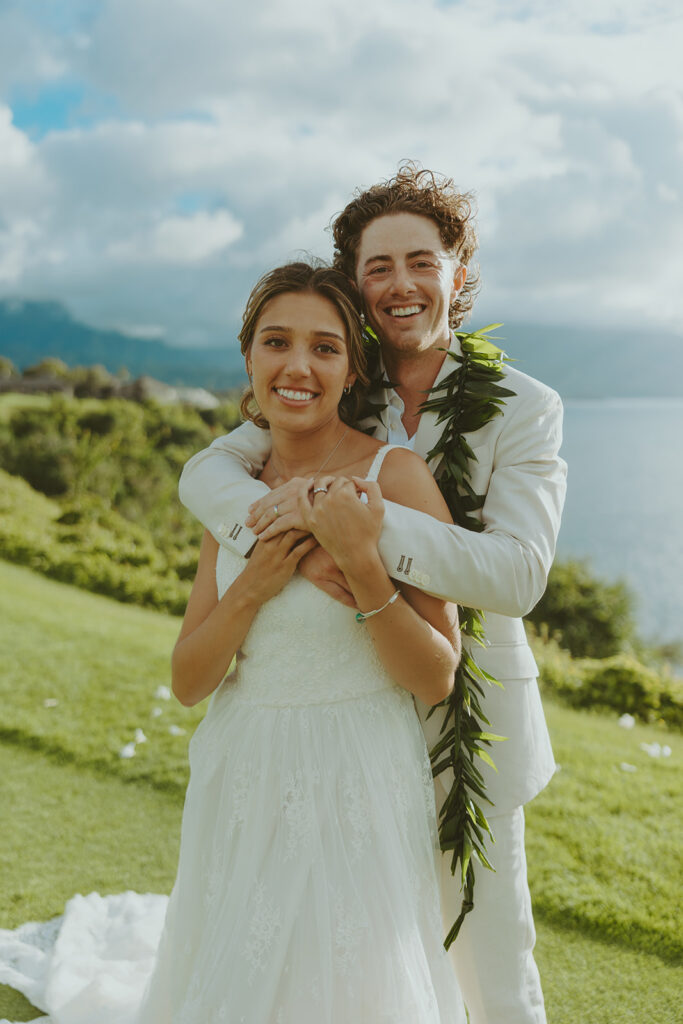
point(29, 55)
point(15, 241)
point(181, 240)
point(668, 194)
point(15, 148)
point(238, 135)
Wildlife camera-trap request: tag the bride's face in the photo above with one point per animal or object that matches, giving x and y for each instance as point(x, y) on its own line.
point(298, 360)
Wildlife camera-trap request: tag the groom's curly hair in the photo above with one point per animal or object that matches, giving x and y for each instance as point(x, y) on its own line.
point(316, 278)
point(420, 191)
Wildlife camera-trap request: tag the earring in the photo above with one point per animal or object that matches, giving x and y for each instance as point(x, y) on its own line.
point(347, 389)
point(362, 319)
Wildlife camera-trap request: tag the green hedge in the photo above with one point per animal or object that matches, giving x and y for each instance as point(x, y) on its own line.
point(113, 466)
point(89, 546)
point(590, 617)
point(619, 683)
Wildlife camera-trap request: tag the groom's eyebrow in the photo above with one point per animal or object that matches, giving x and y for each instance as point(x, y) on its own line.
point(409, 255)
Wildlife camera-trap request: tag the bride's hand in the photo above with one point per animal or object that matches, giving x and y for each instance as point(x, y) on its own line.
point(273, 562)
point(284, 508)
point(345, 526)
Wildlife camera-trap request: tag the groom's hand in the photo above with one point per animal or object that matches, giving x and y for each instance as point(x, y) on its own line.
point(286, 507)
point(320, 569)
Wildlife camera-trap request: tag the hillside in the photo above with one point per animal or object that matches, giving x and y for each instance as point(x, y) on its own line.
point(579, 362)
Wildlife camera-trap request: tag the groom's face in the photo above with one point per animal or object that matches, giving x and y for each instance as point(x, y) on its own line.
point(408, 281)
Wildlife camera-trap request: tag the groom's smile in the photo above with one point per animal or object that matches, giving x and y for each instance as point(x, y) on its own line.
point(405, 311)
point(408, 281)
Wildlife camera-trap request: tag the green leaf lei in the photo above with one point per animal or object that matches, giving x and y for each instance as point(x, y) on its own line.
point(465, 400)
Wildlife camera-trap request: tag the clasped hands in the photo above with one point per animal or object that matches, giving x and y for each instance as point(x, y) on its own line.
point(330, 508)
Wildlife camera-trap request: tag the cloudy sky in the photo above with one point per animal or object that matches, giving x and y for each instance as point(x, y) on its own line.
point(157, 155)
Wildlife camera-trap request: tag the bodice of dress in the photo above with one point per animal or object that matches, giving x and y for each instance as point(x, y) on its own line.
point(303, 646)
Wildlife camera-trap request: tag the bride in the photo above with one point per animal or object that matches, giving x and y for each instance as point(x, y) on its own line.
point(307, 888)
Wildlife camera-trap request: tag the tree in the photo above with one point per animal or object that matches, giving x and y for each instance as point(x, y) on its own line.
point(591, 618)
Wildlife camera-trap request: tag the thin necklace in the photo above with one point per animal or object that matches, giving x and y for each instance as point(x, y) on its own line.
point(325, 461)
point(327, 457)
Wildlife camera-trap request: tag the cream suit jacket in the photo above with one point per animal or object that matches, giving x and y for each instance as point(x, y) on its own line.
point(502, 570)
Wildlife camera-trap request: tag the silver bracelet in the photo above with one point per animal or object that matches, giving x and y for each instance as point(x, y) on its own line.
point(362, 616)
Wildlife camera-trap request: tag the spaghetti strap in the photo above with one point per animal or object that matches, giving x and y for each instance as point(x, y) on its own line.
point(376, 465)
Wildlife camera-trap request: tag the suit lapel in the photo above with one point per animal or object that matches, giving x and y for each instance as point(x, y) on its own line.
point(429, 431)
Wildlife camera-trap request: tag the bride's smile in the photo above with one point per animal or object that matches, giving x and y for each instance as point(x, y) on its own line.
point(299, 363)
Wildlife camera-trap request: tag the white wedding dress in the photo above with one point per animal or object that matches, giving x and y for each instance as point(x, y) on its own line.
point(307, 885)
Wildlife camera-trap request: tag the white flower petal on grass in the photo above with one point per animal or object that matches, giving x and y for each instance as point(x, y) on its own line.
point(127, 751)
point(627, 721)
point(157, 712)
point(50, 702)
point(625, 767)
point(140, 736)
point(656, 750)
point(162, 693)
point(176, 730)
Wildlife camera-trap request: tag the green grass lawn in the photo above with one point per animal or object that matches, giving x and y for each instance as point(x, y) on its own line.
point(102, 663)
point(601, 841)
point(75, 830)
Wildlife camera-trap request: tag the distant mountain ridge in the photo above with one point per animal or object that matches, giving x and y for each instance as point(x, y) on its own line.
point(578, 362)
point(30, 331)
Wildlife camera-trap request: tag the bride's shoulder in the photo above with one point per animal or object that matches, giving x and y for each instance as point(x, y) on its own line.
point(405, 478)
point(400, 467)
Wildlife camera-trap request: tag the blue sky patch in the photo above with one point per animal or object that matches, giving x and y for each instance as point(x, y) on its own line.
point(57, 107)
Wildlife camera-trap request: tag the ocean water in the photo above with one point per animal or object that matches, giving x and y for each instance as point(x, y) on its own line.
point(624, 508)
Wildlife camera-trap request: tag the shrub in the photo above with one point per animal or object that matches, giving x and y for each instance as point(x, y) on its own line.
point(7, 368)
point(623, 683)
point(589, 617)
point(48, 463)
point(51, 366)
point(224, 418)
point(87, 545)
point(177, 426)
point(620, 683)
point(93, 382)
point(98, 421)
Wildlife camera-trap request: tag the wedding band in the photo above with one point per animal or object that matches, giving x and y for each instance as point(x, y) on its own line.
point(320, 490)
point(275, 510)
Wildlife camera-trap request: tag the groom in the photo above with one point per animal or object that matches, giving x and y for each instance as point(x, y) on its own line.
point(407, 243)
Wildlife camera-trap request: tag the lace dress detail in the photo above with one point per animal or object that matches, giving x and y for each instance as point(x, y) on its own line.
point(307, 883)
